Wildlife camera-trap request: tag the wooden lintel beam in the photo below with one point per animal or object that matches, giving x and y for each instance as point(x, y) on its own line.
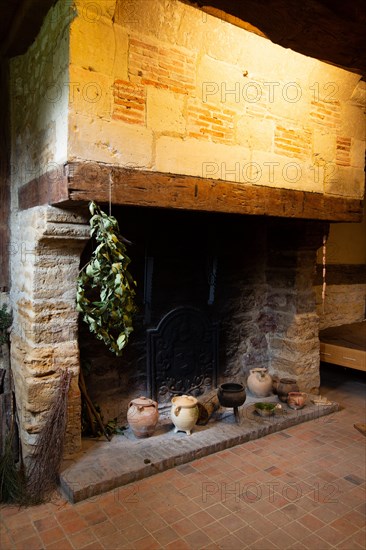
point(92, 181)
point(85, 181)
point(50, 188)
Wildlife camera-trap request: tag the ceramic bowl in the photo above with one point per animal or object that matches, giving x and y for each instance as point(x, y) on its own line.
point(265, 409)
point(296, 399)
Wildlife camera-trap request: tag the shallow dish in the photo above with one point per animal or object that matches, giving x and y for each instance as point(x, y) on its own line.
point(265, 409)
point(321, 401)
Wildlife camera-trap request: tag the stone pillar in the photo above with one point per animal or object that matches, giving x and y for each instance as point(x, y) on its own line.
point(44, 338)
point(292, 320)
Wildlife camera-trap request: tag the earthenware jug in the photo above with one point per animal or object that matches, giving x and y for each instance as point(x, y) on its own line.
point(184, 413)
point(259, 382)
point(285, 386)
point(142, 416)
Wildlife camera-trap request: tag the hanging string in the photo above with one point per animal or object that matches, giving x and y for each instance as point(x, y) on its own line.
point(324, 270)
point(110, 194)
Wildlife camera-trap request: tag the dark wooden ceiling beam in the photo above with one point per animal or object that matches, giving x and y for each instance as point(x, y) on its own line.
point(21, 22)
point(328, 30)
point(82, 182)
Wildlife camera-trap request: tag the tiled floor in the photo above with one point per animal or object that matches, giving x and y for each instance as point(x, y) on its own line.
point(302, 488)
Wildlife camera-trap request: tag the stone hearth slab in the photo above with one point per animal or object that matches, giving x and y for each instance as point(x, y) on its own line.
point(103, 465)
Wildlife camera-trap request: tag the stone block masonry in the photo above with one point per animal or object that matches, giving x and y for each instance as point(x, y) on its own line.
point(183, 87)
point(44, 336)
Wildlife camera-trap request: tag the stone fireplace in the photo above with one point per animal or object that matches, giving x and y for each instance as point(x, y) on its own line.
point(223, 156)
point(242, 283)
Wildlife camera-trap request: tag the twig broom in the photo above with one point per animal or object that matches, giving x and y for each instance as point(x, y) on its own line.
point(43, 474)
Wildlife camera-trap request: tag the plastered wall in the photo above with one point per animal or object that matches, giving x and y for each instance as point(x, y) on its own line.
point(163, 86)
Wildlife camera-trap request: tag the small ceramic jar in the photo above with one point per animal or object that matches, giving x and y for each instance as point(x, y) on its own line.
point(285, 386)
point(184, 413)
point(142, 416)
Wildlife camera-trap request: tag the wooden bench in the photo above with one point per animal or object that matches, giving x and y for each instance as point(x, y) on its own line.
point(344, 345)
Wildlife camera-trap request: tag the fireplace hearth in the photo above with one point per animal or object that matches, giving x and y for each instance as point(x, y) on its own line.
point(217, 296)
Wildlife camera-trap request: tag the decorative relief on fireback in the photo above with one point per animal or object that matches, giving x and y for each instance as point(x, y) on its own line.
point(182, 355)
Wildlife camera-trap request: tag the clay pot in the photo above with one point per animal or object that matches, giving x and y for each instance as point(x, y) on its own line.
point(184, 413)
point(266, 409)
point(259, 382)
point(285, 386)
point(231, 394)
point(142, 416)
point(296, 399)
point(275, 382)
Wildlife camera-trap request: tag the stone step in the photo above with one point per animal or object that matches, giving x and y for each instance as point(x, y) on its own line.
point(103, 466)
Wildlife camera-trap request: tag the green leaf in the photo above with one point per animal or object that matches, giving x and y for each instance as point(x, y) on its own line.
point(108, 275)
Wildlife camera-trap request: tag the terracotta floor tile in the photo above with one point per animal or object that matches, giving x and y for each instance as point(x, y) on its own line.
point(146, 543)
point(330, 535)
point(75, 525)
point(105, 528)
point(8, 510)
point(134, 532)
point(177, 545)
point(229, 542)
point(93, 546)
point(344, 526)
point(278, 518)
point(201, 519)
point(248, 534)
point(197, 539)
point(217, 531)
point(113, 541)
point(293, 511)
point(264, 526)
point(65, 516)
point(94, 517)
point(297, 530)
point(184, 527)
point(122, 520)
point(165, 536)
point(311, 522)
point(23, 532)
point(82, 539)
point(356, 518)
point(282, 538)
point(153, 522)
point(263, 544)
point(31, 543)
point(233, 522)
point(61, 544)
point(218, 510)
point(13, 521)
point(45, 523)
point(112, 510)
point(51, 535)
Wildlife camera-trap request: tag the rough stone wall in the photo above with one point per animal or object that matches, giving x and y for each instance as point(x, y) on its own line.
point(345, 275)
point(167, 87)
point(292, 320)
point(344, 304)
point(39, 101)
point(44, 336)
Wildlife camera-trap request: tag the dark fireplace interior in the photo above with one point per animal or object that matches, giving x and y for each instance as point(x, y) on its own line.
point(237, 291)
